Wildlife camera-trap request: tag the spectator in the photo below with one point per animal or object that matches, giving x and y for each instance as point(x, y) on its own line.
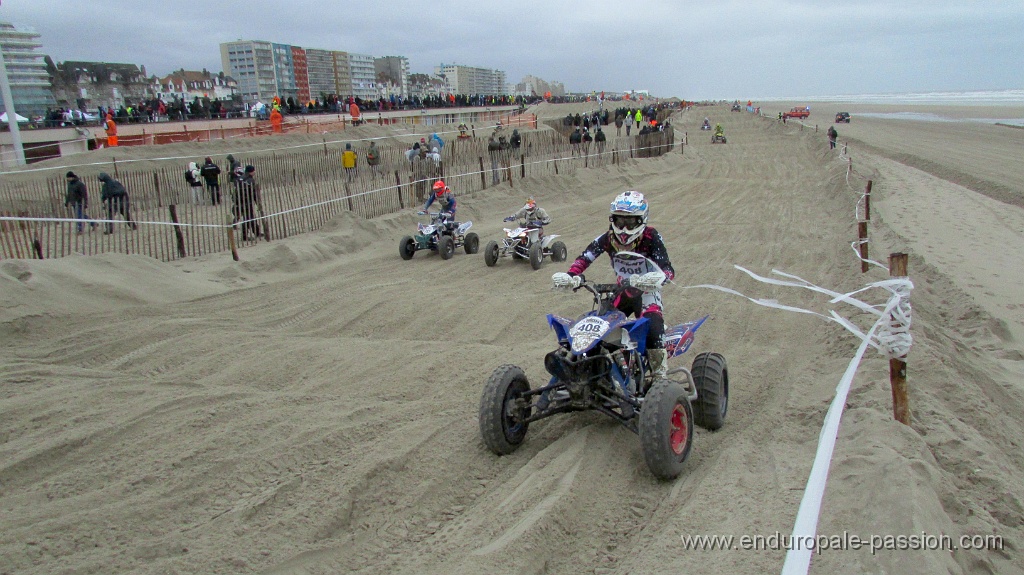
point(373, 157)
point(192, 176)
point(276, 121)
point(111, 129)
point(600, 138)
point(249, 199)
point(574, 141)
point(421, 173)
point(348, 161)
point(77, 198)
point(516, 140)
point(832, 135)
point(211, 174)
point(494, 151)
point(234, 169)
point(587, 138)
point(115, 197)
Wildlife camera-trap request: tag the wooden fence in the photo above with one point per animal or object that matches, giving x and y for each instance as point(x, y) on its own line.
point(301, 191)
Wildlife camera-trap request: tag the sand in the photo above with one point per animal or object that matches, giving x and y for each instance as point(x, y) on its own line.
point(313, 408)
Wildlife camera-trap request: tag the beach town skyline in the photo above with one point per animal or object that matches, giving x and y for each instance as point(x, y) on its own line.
point(700, 51)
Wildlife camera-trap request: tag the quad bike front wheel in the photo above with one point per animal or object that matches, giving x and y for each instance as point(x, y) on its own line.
point(536, 256)
point(666, 429)
point(471, 243)
point(501, 416)
point(491, 253)
point(711, 377)
point(558, 252)
point(446, 247)
point(406, 248)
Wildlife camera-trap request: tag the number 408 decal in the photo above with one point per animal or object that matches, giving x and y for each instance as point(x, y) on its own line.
point(589, 326)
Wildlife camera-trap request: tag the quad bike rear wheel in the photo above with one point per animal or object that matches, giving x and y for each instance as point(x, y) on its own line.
point(406, 248)
point(711, 377)
point(491, 253)
point(471, 243)
point(446, 247)
point(501, 418)
point(536, 256)
point(666, 429)
point(558, 252)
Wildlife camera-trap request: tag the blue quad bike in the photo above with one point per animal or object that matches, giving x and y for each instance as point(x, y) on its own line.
point(441, 235)
point(600, 364)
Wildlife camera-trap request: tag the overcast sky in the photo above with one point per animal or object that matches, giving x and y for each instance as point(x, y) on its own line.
point(696, 49)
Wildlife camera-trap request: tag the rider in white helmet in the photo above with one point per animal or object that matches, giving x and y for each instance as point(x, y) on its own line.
point(628, 231)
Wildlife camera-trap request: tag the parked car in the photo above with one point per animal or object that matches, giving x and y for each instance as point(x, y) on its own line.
point(843, 117)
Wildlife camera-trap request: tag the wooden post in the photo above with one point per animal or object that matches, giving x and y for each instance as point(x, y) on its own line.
point(231, 243)
point(113, 159)
point(398, 186)
point(862, 232)
point(898, 366)
point(556, 166)
point(867, 202)
point(483, 176)
point(156, 186)
point(38, 247)
point(522, 165)
point(177, 230)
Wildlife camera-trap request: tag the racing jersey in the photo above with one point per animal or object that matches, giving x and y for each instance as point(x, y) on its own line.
point(650, 246)
point(447, 202)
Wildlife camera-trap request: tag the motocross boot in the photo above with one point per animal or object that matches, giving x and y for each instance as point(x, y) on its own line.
point(659, 365)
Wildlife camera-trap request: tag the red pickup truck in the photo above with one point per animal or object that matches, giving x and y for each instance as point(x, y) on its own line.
point(797, 113)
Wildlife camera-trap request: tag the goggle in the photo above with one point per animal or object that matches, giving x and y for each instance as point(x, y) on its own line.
point(626, 222)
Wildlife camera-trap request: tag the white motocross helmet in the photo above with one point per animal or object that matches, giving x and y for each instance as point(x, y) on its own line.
point(628, 217)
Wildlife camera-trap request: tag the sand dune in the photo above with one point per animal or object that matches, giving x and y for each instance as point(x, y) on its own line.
point(312, 408)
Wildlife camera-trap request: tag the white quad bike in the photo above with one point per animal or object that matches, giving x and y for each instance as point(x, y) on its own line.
point(524, 242)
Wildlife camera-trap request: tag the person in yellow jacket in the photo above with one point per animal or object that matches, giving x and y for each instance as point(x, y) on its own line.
point(348, 161)
point(639, 117)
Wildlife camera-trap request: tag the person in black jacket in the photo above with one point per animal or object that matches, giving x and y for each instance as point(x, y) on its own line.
point(77, 198)
point(115, 197)
point(250, 202)
point(600, 139)
point(234, 169)
point(211, 174)
point(574, 141)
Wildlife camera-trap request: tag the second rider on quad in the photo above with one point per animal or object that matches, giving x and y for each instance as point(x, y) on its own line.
point(527, 241)
point(629, 232)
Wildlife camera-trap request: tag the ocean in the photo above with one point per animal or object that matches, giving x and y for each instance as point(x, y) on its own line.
point(965, 98)
point(969, 98)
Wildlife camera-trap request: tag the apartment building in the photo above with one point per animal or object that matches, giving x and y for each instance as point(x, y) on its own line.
point(26, 70)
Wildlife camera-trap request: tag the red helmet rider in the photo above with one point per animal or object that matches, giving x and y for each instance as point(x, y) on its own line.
point(440, 188)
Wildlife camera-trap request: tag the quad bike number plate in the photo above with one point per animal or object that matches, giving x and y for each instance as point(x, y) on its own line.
point(585, 331)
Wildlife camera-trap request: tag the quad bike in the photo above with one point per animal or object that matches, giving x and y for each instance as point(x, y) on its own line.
point(441, 235)
point(718, 138)
point(525, 242)
point(705, 126)
point(600, 364)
